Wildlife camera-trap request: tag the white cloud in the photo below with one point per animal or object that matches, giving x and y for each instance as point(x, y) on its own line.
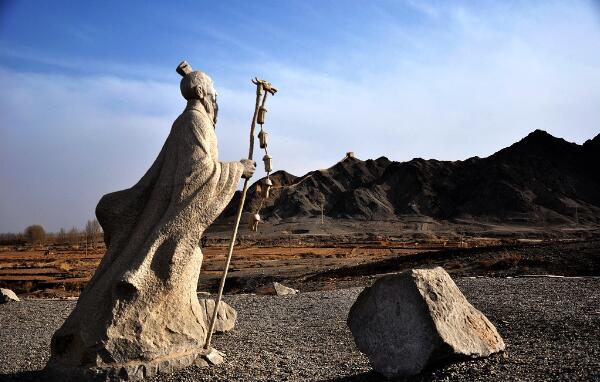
point(475, 81)
point(67, 140)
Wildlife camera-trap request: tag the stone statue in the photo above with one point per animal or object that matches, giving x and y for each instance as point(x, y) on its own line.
point(139, 314)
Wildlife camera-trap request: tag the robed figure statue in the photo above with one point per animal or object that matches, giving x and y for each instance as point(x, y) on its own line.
point(139, 314)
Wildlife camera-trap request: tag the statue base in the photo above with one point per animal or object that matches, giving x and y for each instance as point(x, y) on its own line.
point(135, 370)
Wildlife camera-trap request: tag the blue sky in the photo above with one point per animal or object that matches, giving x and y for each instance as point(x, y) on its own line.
point(89, 89)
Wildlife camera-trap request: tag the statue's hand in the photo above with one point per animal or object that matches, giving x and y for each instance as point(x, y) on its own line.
point(249, 168)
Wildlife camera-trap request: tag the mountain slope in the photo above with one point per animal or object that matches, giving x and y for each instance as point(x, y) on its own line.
point(539, 180)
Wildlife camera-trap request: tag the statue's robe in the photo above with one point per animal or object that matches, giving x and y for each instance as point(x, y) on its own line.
point(141, 303)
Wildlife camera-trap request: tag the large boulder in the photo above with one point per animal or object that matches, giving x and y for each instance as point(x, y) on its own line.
point(7, 295)
point(407, 321)
point(226, 315)
point(275, 288)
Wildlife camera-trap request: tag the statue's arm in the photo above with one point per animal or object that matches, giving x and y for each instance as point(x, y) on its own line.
point(206, 139)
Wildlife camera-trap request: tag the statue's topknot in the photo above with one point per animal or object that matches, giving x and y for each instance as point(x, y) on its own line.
point(192, 80)
point(184, 68)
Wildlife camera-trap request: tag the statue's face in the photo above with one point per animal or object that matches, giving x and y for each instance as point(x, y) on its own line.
point(211, 105)
point(205, 92)
point(215, 108)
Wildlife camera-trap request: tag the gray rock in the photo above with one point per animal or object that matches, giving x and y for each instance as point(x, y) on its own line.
point(275, 288)
point(140, 309)
point(226, 315)
point(407, 321)
point(7, 295)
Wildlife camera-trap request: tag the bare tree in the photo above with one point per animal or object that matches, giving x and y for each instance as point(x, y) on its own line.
point(10, 238)
point(61, 236)
point(35, 234)
point(92, 232)
point(73, 236)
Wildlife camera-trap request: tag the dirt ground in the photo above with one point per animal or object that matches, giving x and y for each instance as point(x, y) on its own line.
point(61, 273)
point(316, 263)
point(569, 258)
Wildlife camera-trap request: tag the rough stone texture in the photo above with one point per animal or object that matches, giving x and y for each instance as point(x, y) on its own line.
point(226, 315)
point(135, 370)
point(7, 295)
point(140, 307)
point(407, 321)
point(275, 288)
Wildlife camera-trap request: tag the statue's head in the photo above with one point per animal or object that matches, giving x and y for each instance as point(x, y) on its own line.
point(198, 85)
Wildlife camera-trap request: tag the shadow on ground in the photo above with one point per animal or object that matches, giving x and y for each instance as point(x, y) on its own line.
point(25, 376)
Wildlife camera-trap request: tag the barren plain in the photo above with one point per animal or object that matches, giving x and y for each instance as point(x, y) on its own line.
point(540, 288)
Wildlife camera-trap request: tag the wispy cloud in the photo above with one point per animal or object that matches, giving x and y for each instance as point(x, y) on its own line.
point(462, 81)
point(85, 66)
point(66, 141)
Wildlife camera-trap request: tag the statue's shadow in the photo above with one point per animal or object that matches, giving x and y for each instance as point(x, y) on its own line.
point(427, 374)
point(369, 376)
point(25, 376)
point(373, 376)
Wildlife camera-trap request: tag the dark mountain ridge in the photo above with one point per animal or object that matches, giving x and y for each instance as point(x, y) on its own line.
point(538, 180)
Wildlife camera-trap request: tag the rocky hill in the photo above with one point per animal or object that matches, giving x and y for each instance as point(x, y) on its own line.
point(538, 180)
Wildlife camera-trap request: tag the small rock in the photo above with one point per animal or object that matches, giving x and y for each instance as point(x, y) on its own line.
point(407, 321)
point(275, 289)
point(215, 357)
point(7, 295)
point(226, 315)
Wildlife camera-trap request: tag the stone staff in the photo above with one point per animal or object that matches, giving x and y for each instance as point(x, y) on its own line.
point(139, 315)
point(263, 88)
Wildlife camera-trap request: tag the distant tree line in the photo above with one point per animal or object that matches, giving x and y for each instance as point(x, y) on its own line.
point(35, 234)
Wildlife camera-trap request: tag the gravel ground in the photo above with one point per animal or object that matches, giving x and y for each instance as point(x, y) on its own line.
point(551, 327)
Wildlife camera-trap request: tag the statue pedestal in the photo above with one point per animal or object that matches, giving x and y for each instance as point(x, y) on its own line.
point(136, 370)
